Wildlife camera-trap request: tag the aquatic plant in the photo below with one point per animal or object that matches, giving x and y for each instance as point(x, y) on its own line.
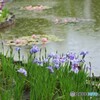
point(34, 39)
point(35, 8)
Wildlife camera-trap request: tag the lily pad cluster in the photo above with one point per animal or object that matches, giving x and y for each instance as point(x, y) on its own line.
point(34, 39)
point(71, 20)
point(35, 8)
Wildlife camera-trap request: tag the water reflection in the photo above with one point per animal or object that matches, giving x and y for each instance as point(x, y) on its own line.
point(96, 13)
point(87, 9)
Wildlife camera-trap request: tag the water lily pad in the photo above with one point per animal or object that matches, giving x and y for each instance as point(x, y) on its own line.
point(71, 20)
point(35, 8)
point(29, 40)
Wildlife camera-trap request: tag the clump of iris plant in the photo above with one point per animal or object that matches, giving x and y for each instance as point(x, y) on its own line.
point(58, 61)
point(55, 61)
point(55, 71)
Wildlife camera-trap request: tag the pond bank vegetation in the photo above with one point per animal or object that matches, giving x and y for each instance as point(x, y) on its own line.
point(52, 76)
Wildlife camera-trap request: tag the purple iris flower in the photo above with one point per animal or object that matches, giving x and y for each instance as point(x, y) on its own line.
point(56, 56)
point(75, 62)
point(34, 49)
point(18, 48)
point(64, 57)
point(38, 62)
point(57, 66)
point(45, 60)
point(56, 61)
point(23, 71)
point(71, 56)
point(51, 69)
point(51, 55)
point(35, 60)
point(75, 69)
point(62, 60)
point(82, 61)
point(84, 53)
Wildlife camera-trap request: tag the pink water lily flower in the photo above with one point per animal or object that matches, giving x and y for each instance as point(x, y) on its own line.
point(18, 41)
point(29, 7)
point(65, 21)
point(44, 40)
point(34, 36)
point(38, 7)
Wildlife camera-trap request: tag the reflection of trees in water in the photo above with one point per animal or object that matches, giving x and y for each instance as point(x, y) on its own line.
point(84, 8)
point(87, 9)
point(96, 12)
point(76, 8)
point(70, 8)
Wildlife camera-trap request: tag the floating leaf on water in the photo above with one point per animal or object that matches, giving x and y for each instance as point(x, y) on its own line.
point(35, 8)
point(71, 20)
point(28, 40)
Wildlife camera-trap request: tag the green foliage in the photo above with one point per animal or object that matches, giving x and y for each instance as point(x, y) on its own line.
point(4, 15)
point(5, 12)
point(39, 83)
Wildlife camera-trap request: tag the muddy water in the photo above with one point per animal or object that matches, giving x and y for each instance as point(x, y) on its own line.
point(81, 36)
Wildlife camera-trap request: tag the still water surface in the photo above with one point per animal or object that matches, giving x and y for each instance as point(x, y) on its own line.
point(81, 36)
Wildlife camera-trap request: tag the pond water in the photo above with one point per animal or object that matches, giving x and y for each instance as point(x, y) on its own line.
point(80, 36)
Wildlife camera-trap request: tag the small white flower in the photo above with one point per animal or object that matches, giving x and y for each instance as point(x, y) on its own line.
point(23, 71)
